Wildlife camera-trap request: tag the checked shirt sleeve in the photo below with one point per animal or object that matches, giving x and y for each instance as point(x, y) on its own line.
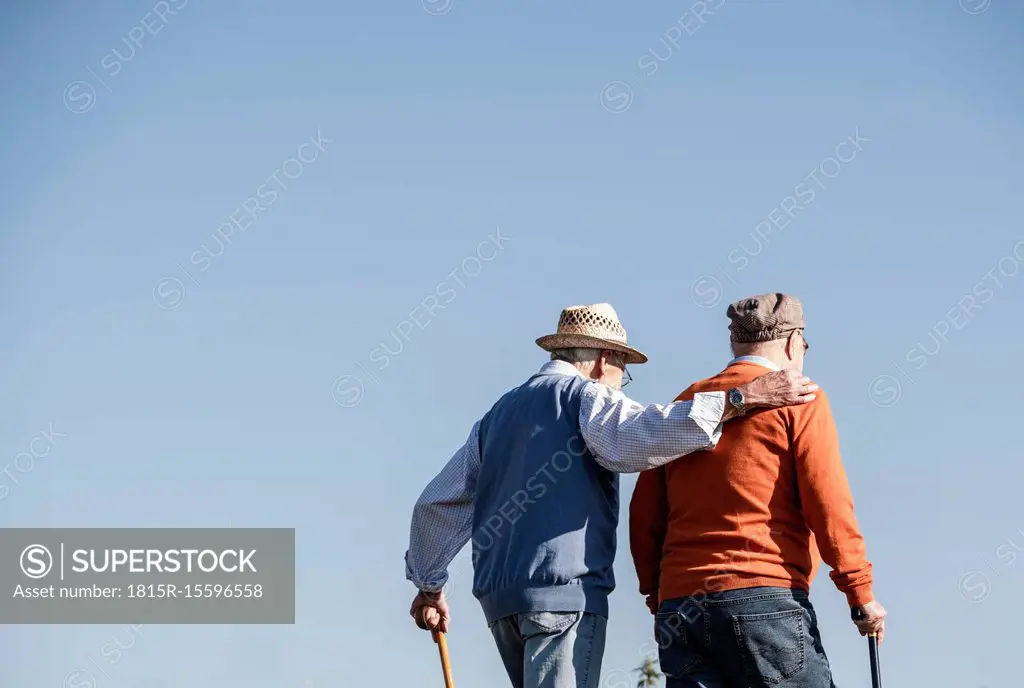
point(442, 519)
point(627, 437)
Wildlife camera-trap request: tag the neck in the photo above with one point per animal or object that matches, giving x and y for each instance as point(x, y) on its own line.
point(585, 368)
point(778, 358)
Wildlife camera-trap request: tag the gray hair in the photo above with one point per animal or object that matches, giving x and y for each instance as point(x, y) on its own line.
point(575, 356)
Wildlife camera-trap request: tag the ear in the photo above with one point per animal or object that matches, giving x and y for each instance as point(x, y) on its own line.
point(789, 345)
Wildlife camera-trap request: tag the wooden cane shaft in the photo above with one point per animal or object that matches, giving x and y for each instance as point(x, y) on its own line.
point(446, 667)
point(442, 650)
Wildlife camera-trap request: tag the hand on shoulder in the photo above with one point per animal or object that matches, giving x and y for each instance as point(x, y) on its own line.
point(779, 388)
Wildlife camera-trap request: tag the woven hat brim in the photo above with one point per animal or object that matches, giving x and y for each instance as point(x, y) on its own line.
point(582, 341)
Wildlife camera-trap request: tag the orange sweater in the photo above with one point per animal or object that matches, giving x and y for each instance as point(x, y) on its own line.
point(746, 513)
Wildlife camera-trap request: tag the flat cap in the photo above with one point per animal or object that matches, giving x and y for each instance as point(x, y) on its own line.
point(765, 317)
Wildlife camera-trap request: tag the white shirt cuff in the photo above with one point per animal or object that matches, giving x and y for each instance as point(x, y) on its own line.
point(706, 412)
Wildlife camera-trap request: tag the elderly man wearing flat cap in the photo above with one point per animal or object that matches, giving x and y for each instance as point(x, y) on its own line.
point(535, 487)
point(726, 543)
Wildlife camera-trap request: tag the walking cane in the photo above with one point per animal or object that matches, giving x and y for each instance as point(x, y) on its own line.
point(876, 670)
point(442, 648)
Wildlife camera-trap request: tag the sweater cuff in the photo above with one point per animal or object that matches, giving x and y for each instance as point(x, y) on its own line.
point(859, 596)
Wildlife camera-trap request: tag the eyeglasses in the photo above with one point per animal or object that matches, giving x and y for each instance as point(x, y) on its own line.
point(619, 361)
point(626, 377)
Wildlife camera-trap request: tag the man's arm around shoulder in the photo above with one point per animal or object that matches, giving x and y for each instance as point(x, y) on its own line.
point(627, 437)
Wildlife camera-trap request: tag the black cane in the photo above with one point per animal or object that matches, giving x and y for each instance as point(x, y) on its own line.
point(876, 671)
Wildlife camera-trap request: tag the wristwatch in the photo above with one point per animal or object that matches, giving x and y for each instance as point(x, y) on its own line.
point(737, 400)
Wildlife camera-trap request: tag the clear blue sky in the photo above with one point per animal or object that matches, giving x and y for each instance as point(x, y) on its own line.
point(445, 125)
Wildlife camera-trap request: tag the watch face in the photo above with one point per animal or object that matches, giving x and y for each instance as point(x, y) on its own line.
point(736, 397)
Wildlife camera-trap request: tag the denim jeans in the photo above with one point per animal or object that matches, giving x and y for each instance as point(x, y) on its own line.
point(551, 649)
point(747, 638)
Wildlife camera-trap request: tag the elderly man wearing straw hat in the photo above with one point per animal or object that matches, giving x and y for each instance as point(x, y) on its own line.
point(535, 487)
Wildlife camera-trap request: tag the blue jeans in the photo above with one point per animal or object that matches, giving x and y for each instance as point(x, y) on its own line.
point(551, 649)
point(747, 638)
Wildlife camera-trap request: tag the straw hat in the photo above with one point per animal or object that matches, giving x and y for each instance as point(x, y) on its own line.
point(595, 326)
